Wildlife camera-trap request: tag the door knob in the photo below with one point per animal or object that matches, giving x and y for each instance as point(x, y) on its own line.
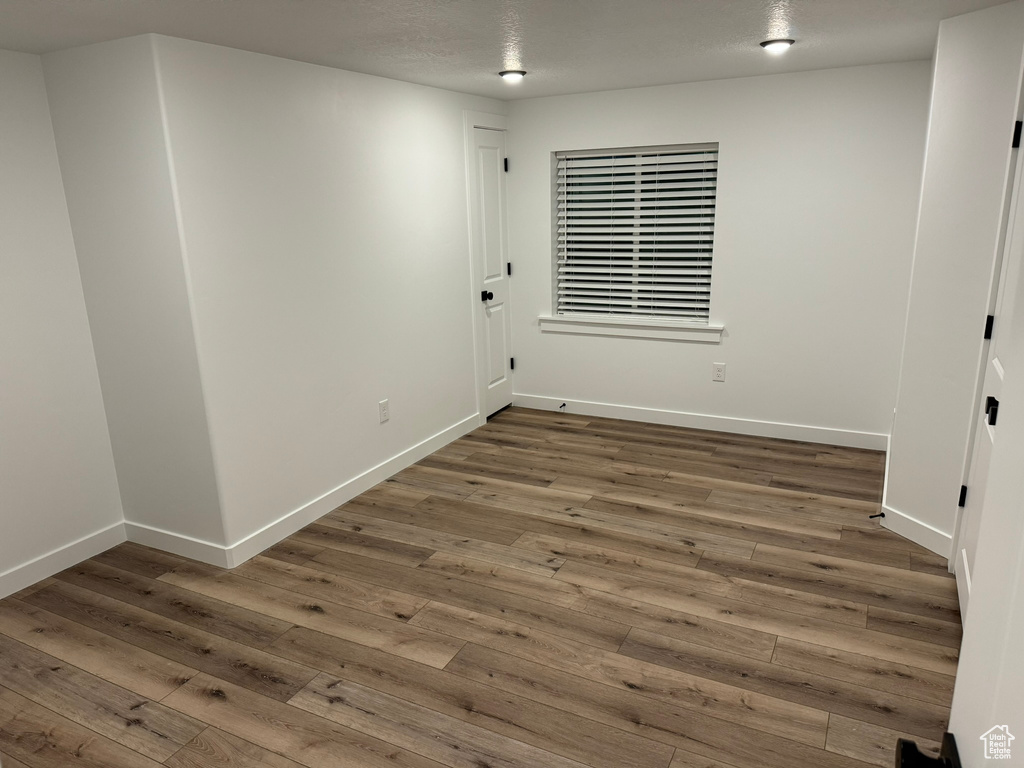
point(486, 295)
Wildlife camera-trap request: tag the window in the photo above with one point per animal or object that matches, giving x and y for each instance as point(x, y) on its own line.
point(634, 232)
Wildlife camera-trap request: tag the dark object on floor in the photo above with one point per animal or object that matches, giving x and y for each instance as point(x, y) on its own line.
point(909, 756)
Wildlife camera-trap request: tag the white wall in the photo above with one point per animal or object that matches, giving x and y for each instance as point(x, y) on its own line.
point(973, 108)
point(268, 248)
point(324, 216)
point(110, 140)
point(57, 482)
point(818, 181)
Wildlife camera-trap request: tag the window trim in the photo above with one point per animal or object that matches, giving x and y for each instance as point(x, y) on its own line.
point(632, 328)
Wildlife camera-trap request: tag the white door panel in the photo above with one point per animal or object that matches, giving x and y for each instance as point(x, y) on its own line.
point(979, 467)
point(490, 161)
point(985, 433)
point(498, 356)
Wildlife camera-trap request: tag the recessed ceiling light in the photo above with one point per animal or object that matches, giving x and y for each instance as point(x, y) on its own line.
point(777, 46)
point(512, 75)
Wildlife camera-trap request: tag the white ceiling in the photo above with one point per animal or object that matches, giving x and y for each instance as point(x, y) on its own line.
point(567, 46)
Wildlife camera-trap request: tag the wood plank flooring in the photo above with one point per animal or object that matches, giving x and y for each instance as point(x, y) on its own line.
point(551, 590)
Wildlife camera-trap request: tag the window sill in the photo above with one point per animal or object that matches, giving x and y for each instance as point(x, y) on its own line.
point(633, 328)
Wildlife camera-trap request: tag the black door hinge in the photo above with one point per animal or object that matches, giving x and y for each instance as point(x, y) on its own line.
point(989, 322)
point(512, 363)
point(963, 496)
point(508, 266)
point(991, 410)
point(1017, 135)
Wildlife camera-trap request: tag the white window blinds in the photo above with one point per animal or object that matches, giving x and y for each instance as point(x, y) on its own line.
point(634, 231)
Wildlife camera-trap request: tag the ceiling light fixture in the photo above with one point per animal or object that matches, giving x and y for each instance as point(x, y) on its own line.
point(512, 75)
point(777, 46)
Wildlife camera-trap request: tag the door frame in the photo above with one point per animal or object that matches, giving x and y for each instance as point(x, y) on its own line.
point(471, 121)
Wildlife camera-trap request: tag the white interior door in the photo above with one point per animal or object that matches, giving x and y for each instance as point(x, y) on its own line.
point(991, 394)
point(989, 688)
point(490, 255)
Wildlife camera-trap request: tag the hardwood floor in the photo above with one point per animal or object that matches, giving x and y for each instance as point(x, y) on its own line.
point(549, 591)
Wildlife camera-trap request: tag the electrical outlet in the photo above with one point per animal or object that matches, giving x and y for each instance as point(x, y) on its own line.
point(718, 371)
point(385, 411)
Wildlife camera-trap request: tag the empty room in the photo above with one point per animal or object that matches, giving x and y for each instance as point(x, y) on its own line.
point(519, 384)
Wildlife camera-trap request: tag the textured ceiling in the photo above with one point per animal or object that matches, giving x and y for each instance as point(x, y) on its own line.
point(567, 46)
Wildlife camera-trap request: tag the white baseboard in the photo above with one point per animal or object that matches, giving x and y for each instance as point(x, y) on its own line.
point(250, 546)
point(910, 527)
point(44, 566)
point(178, 544)
point(920, 533)
point(779, 430)
point(288, 524)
